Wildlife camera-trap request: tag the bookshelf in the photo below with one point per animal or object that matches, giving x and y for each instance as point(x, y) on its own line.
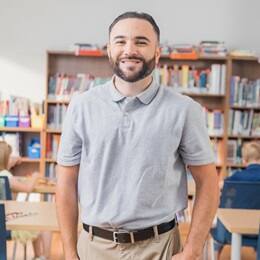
point(67, 63)
point(27, 165)
point(244, 106)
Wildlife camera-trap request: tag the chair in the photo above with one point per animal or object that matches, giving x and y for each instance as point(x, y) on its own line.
point(3, 254)
point(258, 246)
point(237, 195)
point(6, 194)
point(5, 191)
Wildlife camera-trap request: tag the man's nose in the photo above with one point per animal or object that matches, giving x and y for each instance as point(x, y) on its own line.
point(130, 49)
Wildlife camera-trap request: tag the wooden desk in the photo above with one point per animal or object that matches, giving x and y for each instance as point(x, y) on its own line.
point(239, 222)
point(37, 216)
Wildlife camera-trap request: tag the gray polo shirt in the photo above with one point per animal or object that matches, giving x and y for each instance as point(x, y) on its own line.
point(132, 154)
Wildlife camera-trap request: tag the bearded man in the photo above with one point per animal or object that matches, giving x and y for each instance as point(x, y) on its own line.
point(123, 155)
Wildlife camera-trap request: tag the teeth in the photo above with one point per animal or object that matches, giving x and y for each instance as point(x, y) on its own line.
point(131, 61)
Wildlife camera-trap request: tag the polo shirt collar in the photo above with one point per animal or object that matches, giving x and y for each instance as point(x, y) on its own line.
point(145, 97)
point(149, 93)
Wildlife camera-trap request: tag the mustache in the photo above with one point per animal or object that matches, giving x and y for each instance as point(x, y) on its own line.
point(133, 57)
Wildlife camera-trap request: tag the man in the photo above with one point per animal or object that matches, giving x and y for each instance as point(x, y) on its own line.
point(123, 153)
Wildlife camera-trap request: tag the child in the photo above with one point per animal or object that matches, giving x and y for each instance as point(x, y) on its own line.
point(6, 162)
point(251, 157)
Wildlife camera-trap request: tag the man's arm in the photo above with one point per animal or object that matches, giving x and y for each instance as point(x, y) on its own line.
point(67, 208)
point(204, 210)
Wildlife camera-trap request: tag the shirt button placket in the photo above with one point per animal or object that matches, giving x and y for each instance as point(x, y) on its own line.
point(126, 120)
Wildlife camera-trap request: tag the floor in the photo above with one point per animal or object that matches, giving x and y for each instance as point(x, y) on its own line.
point(57, 252)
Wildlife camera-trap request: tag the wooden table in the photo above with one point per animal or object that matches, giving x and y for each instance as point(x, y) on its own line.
point(31, 216)
point(239, 222)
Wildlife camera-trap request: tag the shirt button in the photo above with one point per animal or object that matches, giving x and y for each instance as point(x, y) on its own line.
point(126, 120)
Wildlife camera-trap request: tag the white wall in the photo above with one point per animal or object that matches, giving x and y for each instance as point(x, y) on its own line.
point(28, 28)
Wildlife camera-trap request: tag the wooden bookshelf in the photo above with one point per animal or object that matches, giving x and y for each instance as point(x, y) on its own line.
point(30, 160)
point(244, 67)
point(27, 165)
point(68, 63)
point(20, 129)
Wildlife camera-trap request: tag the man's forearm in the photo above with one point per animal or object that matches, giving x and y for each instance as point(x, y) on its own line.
point(204, 210)
point(67, 211)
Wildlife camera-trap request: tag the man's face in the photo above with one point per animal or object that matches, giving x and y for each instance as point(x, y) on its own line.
point(133, 49)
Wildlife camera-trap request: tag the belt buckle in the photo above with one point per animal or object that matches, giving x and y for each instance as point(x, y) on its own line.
point(115, 235)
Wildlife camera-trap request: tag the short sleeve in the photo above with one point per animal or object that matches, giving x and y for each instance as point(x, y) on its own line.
point(195, 147)
point(70, 147)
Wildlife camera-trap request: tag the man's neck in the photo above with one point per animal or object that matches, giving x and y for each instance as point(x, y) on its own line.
point(130, 89)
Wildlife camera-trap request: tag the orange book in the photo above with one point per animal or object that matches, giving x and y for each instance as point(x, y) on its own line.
point(184, 56)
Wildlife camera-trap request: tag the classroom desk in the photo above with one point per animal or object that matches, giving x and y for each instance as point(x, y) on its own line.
point(31, 216)
point(43, 185)
point(239, 222)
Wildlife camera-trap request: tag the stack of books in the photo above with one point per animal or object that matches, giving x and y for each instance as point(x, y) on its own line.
point(244, 92)
point(62, 86)
point(212, 48)
point(87, 49)
point(183, 51)
point(190, 79)
point(20, 112)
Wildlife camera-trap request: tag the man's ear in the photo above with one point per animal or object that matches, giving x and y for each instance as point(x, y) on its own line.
point(157, 54)
point(108, 51)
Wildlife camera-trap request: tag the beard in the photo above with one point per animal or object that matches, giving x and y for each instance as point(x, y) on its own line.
point(145, 70)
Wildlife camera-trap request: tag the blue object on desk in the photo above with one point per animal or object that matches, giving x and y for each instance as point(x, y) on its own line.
point(34, 149)
point(11, 121)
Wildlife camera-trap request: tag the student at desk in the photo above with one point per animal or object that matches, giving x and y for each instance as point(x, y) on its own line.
point(41, 242)
point(251, 157)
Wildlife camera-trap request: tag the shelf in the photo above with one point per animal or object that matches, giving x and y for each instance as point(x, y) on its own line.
point(241, 58)
point(30, 160)
point(67, 62)
point(243, 137)
point(50, 160)
point(203, 95)
point(72, 53)
point(200, 57)
point(53, 131)
point(244, 108)
point(20, 129)
point(64, 102)
point(216, 136)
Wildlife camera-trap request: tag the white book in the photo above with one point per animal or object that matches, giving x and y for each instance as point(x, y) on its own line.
point(223, 79)
point(215, 79)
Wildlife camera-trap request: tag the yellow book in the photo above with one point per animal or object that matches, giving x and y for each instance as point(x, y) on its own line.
point(184, 76)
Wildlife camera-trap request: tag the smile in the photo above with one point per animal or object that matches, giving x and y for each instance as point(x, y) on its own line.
point(132, 61)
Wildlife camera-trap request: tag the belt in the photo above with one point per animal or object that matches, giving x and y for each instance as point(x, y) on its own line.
point(133, 236)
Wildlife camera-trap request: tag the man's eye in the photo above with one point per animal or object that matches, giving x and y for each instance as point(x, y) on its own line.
point(141, 43)
point(120, 42)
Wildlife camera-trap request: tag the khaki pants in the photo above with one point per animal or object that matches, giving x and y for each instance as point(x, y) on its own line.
point(162, 248)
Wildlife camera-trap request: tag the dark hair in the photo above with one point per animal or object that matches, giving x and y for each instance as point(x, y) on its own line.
point(143, 16)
